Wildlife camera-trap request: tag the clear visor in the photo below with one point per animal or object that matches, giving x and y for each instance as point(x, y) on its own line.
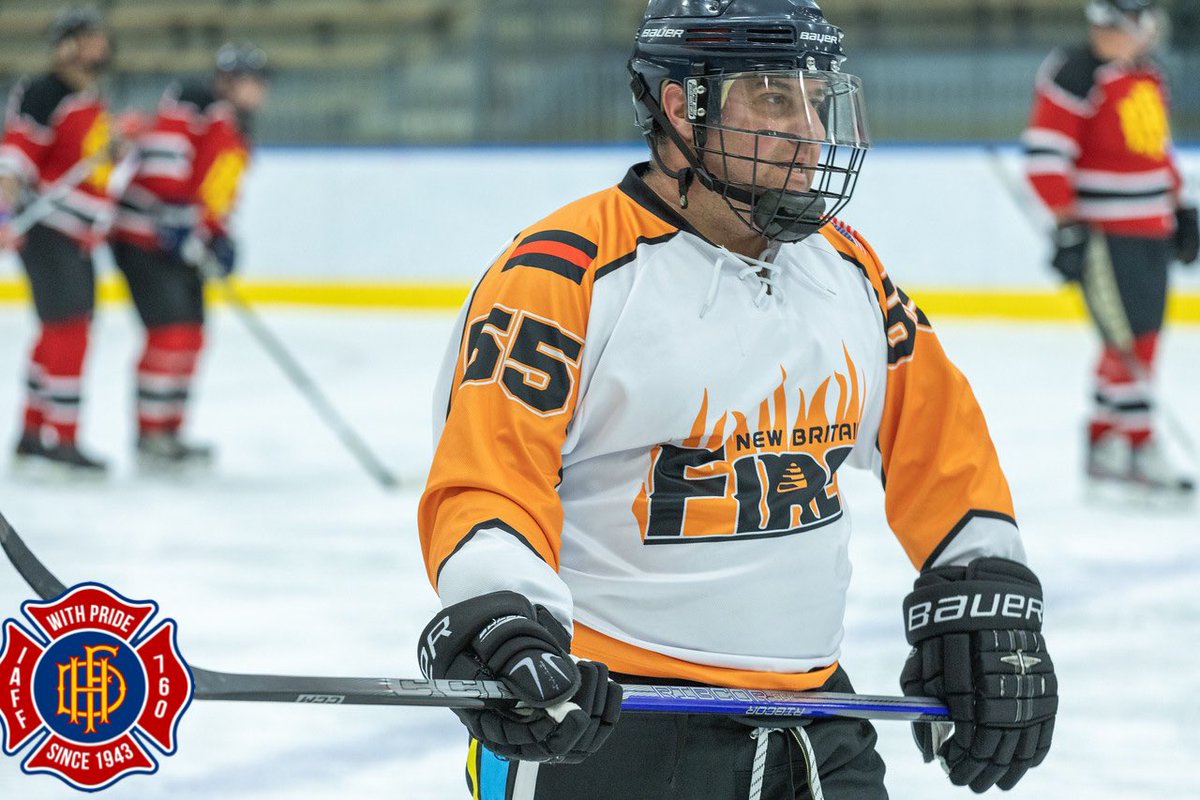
point(821, 107)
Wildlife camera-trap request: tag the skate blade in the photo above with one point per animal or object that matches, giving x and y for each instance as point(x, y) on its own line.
point(35, 469)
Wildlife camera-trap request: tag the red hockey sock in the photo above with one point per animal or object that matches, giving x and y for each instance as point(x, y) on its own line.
point(34, 416)
point(1123, 401)
point(164, 376)
point(57, 371)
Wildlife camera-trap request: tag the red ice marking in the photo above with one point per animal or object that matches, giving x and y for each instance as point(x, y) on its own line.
point(87, 766)
point(168, 687)
point(90, 607)
point(17, 709)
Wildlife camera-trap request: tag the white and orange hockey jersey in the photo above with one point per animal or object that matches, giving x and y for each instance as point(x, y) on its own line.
point(642, 431)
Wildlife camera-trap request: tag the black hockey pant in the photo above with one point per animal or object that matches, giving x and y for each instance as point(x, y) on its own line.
point(695, 757)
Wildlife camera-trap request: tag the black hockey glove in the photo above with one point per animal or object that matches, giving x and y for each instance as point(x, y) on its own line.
point(1187, 235)
point(573, 706)
point(175, 225)
point(977, 645)
point(224, 252)
point(1070, 250)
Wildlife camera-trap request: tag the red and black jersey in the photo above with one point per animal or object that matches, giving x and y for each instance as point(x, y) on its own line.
point(49, 127)
point(1099, 145)
point(192, 161)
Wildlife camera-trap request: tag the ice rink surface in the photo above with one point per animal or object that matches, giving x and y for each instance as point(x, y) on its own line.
point(288, 559)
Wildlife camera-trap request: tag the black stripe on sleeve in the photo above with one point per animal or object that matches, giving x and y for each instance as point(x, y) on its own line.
point(1118, 194)
point(490, 524)
point(959, 528)
point(563, 237)
point(555, 264)
point(631, 256)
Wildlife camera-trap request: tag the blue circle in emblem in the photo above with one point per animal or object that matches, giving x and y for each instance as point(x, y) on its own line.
point(89, 687)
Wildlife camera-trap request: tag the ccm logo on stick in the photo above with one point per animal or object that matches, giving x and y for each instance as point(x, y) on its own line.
point(325, 699)
point(959, 606)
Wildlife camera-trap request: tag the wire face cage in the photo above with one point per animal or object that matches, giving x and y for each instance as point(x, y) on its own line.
point(783, 147)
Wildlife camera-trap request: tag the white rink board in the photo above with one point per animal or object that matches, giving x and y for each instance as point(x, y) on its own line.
point(289, 560)
point(938, 216)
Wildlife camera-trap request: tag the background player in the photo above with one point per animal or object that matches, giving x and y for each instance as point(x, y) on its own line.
point(55, 122)
point(640, 421)
point(192, 162)
point(1100, 156)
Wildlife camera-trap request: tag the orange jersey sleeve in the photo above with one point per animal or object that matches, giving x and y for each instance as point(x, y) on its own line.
point(939, 467)
point(513, 388)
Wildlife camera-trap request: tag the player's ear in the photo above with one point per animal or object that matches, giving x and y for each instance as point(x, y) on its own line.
point(674, 106)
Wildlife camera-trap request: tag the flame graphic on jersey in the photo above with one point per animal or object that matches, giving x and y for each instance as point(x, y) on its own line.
point(734, 480)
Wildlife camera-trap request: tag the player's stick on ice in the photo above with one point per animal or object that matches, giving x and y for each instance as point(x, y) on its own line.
point(211, 685)
point(1100, 287)
point(198, 254)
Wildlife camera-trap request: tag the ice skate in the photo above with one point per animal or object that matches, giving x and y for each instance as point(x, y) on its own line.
point(166, 451)
point(1110, 469)
point(1154, 473)
point(63, 461)
point(1118, 470)
point(27, 454)
point(1110, 458)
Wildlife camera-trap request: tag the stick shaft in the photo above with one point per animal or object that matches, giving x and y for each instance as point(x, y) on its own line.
point(295, 373)
point(481, 694)
point(213, 685)
point(44, 203)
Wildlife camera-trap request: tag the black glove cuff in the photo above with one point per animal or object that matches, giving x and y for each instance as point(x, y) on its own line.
point(1071, 234)
point(971, 605)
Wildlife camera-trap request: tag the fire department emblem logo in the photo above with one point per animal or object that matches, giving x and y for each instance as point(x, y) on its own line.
point(89, 690)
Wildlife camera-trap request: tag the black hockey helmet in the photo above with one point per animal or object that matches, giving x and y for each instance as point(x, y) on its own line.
point(1120, 13)
point(721, 51)
point(241, 58)
point(73, 21)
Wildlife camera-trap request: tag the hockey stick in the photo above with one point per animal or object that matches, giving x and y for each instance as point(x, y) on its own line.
point(1100, 288)
point(44, 203)
point(211, 685)
point(196, 253)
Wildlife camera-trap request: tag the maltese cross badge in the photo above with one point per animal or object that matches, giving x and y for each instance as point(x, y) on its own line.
point(90, 689)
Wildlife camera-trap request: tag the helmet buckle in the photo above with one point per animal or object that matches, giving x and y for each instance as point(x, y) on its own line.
point(695, 92)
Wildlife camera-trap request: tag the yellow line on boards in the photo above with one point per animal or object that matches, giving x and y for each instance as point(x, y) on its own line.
point(1023, 304)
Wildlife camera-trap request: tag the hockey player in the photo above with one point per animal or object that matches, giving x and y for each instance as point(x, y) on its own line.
point(192, 161)
point(1099, 154)
point(641, 418)
point(53, 124)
